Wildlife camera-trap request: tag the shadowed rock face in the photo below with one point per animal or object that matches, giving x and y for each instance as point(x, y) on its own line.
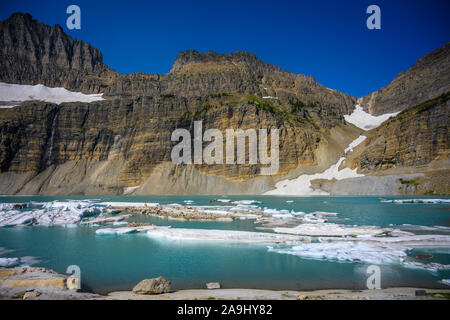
point(32, 53)
point(428, 78)
point(416, 137)
point(417, 140)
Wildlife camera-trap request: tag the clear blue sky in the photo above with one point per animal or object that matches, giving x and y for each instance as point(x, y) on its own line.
point(324, 38)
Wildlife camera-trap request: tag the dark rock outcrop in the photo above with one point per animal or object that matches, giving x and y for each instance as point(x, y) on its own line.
point(32, 53)
point(428, 78)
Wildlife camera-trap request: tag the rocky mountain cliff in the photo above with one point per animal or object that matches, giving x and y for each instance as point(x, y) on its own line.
point(32, 52)
point(428, 78)
point(122, 145)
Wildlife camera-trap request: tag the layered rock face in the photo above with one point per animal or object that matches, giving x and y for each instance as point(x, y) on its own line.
point(123, 144)
point(125, 141)
point(32, 53)
point(428, 78)
point(416, 141)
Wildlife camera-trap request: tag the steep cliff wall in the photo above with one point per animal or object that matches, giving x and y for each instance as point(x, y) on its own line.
point(428, 78)
point(34, 53)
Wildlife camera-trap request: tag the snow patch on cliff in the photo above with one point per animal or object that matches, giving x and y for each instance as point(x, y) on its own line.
point(12, 95)
point(366, 121)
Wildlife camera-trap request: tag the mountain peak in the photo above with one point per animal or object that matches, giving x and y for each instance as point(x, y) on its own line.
point(192, 57)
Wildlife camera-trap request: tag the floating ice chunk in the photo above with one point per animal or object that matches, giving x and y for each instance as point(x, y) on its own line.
point(52, 213)
point(426, 201)
point(432, 266)
point(445, 281)
point(124, 230)
point(115, 231)
point(246, 202)
point(331, 230)
point(130, 204)
point(19, 93)
point(366, 121)
point(347, 252)
point(9, 262)
point(425, 228)
point(220, 235)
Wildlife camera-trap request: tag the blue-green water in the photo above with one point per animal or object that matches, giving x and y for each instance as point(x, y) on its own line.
point(119, 262)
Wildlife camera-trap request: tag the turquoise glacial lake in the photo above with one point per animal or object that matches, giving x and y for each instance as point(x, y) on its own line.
point(118, 262)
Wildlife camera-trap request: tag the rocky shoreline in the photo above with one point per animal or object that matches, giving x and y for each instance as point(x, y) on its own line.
point(45, 284)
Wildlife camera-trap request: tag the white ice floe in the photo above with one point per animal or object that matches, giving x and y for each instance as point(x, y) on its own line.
point(369, 249)
point(15, 94)
point(246, 202)
point(20, 261)
point(366, 121)
point(432, 266)
point(301, 186)
point(221, 235)
point(426, 201)
point(130, 204)
point(332, 230)
point(347, 251)
point(51, 213)
point(9, 262)
point(445, 281)
point(425, 228)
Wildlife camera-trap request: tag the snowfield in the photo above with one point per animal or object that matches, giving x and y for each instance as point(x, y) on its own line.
point(301, 186)
point(366, 121)
point(12, 95)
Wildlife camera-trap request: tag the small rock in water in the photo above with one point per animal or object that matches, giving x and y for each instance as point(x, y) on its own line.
point(31, 295)
point(213, 285)
point(152, 286)
point(425, 256)
point(421, 293)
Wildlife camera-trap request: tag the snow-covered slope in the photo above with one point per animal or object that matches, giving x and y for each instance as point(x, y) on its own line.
point(12, 95)
point(366, 121)
point(302, 185)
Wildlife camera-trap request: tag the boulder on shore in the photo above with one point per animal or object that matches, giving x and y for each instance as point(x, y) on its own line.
point(152, 286)
point(213, 285)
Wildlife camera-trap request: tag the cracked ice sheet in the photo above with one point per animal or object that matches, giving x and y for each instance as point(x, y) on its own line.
point(222, 235)
point(374, 250)
point(130, 204)
point(424, 201)
point(347, 251)
point(52, 213)
point(332, 230)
